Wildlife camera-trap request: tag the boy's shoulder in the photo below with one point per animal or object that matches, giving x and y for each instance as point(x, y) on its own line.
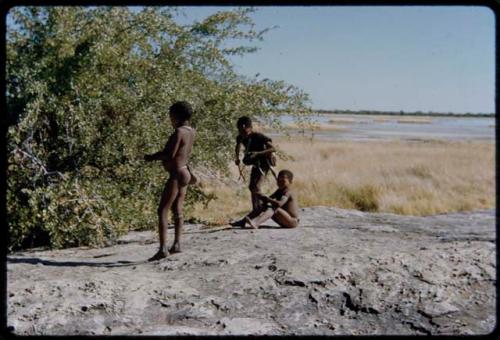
point(282, 192)
point(260, 136)
point(289, 193)
point(184, 129)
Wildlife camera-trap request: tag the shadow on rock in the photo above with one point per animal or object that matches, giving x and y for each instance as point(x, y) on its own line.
point(35, 261)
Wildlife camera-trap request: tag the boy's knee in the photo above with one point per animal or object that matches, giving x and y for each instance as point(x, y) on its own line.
point(177, 214)
point(178, 219)
point(161, 210)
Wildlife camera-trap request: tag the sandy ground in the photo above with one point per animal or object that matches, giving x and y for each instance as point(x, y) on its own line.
point(340, 272)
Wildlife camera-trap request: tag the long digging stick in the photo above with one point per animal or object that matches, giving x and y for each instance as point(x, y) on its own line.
point(242, 176)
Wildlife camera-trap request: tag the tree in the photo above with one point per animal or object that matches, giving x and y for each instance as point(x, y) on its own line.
point(88, 91)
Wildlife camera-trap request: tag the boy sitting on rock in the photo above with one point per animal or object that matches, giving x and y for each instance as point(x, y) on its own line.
point(281, 206)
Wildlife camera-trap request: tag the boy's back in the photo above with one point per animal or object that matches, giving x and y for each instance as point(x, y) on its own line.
point(180, 145)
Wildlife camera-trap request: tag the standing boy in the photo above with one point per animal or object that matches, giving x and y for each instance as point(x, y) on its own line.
point(281, 206)
point(174, 157)
point(258, 148)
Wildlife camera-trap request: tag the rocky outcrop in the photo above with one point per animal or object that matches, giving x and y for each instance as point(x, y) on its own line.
point(340, 272)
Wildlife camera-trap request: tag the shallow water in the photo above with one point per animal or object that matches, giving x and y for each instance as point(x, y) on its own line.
point(376, 127)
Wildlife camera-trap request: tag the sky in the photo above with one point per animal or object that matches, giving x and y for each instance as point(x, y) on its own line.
point(386, 58)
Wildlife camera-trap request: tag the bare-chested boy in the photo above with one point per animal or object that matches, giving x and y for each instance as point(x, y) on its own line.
point(174, 157)
point(281, 206)
point(257, 149)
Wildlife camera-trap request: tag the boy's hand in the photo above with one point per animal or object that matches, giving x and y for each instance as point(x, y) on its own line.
point(252, 154)
point(263, 197)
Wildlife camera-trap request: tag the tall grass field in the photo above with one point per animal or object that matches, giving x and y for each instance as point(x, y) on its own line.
point(403, 177)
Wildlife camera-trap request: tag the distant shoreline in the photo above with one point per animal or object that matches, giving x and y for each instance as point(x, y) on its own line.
point(402, 113)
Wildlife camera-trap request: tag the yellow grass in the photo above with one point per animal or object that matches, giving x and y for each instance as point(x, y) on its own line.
point(408, 120)
point(413, 178)
point(381, 120)
point(315, 127)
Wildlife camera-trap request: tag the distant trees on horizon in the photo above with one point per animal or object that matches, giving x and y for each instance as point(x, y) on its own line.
point(403, 113)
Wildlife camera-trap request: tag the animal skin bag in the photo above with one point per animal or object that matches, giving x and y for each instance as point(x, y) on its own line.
point(249, 159)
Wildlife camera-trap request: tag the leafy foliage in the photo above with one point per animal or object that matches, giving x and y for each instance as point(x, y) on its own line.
point(88, 91)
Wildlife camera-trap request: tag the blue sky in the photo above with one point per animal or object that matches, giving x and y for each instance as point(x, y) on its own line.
point(392, 58)
point(432, 58)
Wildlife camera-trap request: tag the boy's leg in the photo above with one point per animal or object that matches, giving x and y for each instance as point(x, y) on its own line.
point(167, 198)
point(178, 212)
point(283, 218)
point(256, 181)
point(183, 176)
point(261, 218)
point(238, 223)
point(257, 212)
point(254, 213)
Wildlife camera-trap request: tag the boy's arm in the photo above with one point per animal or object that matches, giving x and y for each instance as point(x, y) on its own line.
point(168, 153)
point(237, 153)
point(269, 149)
point(276, 203)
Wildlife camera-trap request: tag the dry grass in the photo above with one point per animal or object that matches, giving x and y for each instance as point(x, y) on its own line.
point(412, 178)
point(381, 120)
point(315, 127)
point(408, 120)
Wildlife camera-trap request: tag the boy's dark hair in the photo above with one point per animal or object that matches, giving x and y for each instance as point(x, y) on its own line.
point(244, 121)
point(181, 110)
point(286, 173)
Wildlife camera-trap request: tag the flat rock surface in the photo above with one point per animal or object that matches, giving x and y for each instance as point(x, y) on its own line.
point(340, 272)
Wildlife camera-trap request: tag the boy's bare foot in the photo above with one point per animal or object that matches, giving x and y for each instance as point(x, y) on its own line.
point(158, 256)
point(240, 223)
point(249, 221)
point(176, 248)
